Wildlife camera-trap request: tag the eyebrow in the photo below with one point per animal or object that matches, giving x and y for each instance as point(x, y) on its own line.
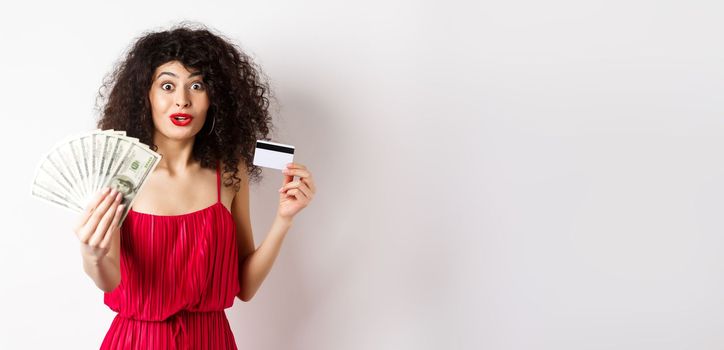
point(175, 76)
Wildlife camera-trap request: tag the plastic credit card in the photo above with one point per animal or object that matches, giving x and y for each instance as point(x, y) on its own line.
point(273, 155)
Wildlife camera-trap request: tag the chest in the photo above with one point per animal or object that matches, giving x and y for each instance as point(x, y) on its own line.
point(176, 195)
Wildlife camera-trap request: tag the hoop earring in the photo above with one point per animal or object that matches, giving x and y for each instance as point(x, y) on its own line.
point(212, 126)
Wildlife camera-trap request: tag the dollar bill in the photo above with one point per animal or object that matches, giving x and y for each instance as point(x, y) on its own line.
point(99, 140)
point(115, 156)
point(77, 167)
point(50, 197)
point(49, 184)
point(62, 158)
point(51, 168)
point(130, 174)
point(102, 155)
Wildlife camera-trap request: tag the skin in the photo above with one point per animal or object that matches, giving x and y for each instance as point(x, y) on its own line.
point(180, 185)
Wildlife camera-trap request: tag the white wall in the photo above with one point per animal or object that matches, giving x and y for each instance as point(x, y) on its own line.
point(506, 175)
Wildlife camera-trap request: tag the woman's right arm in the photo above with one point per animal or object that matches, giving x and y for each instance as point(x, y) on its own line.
point(97, 230)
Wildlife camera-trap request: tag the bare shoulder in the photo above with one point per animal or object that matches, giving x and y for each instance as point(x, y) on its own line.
point(240, 210)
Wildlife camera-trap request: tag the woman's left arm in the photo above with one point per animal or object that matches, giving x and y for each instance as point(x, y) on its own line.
point(255, 263)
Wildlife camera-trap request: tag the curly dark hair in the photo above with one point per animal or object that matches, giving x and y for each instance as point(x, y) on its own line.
point(239, 99)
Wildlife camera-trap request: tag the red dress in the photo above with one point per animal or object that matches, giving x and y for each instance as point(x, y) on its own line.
point(178, 274)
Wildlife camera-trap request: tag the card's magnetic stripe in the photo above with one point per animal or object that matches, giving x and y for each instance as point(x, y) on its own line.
point(275, 148)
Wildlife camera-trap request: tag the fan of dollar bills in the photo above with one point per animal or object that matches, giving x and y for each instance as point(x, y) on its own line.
point(78, 167)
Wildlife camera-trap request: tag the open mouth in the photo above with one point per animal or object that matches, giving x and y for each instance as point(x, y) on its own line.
point(181, 119)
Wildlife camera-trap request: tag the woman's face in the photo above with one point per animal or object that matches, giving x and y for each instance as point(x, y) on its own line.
point(178, 101)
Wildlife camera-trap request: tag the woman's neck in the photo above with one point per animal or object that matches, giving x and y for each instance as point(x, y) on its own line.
point(176, 155)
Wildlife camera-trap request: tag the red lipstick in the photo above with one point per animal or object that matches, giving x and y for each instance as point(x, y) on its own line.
point(181, 119)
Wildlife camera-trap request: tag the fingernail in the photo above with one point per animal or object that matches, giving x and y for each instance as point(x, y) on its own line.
point(280, 189)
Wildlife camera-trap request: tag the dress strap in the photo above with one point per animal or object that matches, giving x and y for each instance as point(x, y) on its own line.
point(218, 182)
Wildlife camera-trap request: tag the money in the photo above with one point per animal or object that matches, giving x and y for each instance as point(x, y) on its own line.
point(76, 168)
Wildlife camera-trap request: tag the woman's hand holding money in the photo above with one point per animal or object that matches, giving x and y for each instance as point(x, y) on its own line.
point(99, 223)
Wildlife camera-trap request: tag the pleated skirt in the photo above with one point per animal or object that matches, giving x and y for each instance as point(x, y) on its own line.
point(183, 331)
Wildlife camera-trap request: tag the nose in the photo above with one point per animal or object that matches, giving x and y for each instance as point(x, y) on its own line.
point(182, 99)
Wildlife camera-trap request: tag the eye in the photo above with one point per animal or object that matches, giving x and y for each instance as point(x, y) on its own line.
point(164, 85)
point(199, 85)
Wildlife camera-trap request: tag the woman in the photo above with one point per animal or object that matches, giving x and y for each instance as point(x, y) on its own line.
point(185, 249)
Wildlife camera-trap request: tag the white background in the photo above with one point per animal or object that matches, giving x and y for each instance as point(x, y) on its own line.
point(501, 175)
